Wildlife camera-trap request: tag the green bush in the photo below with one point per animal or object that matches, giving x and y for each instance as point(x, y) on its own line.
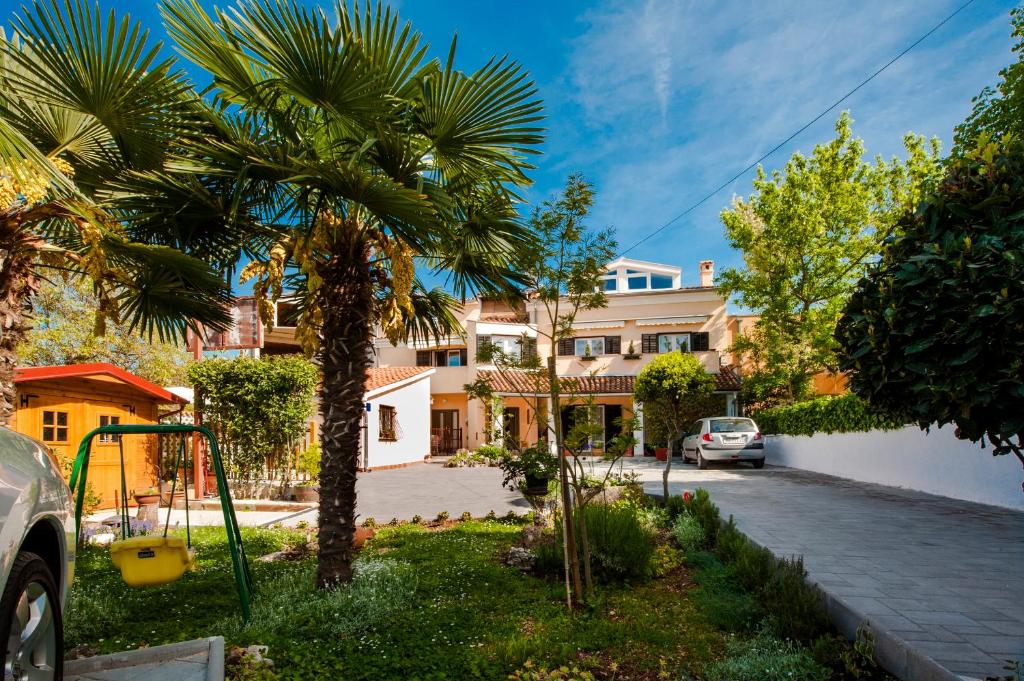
point(622, 540)
point(766, 658)
point(675, 506)
point(491, 454)
point(706, 513)
point(688, 532)
point(309, 462)
point(720, 599)
point(843, 414)
point(797, 607)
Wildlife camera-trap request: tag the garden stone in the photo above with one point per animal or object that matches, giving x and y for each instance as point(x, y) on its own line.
point(520, 558)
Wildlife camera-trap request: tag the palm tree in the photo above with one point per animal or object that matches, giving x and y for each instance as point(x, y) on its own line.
point(83, 103)
point(353, 159)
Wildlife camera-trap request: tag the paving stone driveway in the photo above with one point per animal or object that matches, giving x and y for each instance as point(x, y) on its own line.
point(939, 581)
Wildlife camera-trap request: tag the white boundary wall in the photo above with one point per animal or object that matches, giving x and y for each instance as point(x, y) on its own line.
point(935, 462)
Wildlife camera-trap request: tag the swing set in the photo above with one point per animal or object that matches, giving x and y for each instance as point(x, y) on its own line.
point(155, 559)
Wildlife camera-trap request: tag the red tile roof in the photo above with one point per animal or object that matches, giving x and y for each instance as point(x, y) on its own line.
point(506, 317)
point(378, 378)
point(50, 373)
point(525, 383)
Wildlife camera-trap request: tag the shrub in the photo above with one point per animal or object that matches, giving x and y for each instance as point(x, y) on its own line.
point(309, 462)
point(720, 599)
point(675, 506)
point(797, 607)
point(442, 517)
point(766, 658)
point(490, 454)
point(466, 516)
point(842, 414)
point(706, 513)
point(688, 532)
point(621, 541)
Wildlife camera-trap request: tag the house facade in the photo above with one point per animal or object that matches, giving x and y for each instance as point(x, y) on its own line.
point(649, 312)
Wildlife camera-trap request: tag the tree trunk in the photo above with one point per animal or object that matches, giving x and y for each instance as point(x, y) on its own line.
point(585, 546)
point(668, 469)
point(346, 297)
point(17, 284)
point(569, 553)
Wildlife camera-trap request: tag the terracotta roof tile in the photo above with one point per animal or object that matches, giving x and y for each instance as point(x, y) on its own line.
point(380, 377)
point(522, 382)
point(507, 317)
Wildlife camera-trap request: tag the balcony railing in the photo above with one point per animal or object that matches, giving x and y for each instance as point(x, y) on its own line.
point(445, 440)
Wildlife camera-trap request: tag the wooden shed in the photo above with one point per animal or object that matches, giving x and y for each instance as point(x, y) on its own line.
point(61, 404)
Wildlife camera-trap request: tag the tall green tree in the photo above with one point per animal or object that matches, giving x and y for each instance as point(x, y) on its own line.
point(672, 389)
point(62, 333)
point(84, 102)
point(342, 157)
point(932, 334)
point(806, 234)
point(998, 111)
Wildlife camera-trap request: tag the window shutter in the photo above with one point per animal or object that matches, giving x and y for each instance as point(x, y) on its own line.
point(463, 357)
point(649, 342)
point(530, 349)
point(423, 358)
point(612, 345)
point(699, 340)
point(481, 341)
point(566, 346)
point(440, 358)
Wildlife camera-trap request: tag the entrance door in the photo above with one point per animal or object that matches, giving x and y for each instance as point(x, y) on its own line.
point(445, 433)
point(510, 428)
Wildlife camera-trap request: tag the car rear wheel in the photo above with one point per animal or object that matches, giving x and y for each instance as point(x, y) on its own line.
point(30, 622)
point(758, 463)
point(702, 463)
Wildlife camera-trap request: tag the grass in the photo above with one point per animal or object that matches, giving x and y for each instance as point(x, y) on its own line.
point(468, 616)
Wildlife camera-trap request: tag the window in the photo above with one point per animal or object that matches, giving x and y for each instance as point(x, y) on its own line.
point(55, 426)
point(510, 346)
point(609, 283)
point(442, 358)
point(388, 431)
point(661, 281)
point(637, 283)
point(671, 342)
point(109, 438)
point(454, 358)
point(732, 426)
point(589, 347)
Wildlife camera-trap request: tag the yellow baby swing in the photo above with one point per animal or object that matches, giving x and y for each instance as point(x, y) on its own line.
point(153, 560)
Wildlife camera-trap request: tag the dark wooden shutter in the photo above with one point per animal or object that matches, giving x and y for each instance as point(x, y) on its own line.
point(699, 340)
point(482, 341)
point(423, 358)
point(649, 342)
point(440, 358)
point(529, 348)
point(566, 346)
point(612, 345)
point(463, 357)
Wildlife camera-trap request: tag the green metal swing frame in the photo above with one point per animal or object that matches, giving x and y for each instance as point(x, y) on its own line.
point(243, 578)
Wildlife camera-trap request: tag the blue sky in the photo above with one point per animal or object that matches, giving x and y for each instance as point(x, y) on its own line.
point(659, 101)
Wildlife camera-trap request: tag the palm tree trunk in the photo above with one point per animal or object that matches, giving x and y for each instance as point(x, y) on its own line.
point(346, 297)
point(17, 284)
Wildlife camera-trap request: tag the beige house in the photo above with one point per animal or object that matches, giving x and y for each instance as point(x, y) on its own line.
point(649, 311)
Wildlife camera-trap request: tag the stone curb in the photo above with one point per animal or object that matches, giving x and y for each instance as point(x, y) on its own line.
point(213, 647)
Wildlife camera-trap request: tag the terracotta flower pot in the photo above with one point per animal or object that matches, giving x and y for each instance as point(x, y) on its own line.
point(661, 453)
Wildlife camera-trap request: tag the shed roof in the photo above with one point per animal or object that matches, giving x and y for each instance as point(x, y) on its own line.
point(53, 373)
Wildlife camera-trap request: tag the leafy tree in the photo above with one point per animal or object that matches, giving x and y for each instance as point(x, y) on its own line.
point(807, 233)
point(998, 110)
point(84, 103)
point(63, 315)
point(932, 334)
point(670, 388)
point(561, 267)
point(258, 407)
point(340, 156)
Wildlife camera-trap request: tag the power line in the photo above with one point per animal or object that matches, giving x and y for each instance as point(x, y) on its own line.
point(789, 139)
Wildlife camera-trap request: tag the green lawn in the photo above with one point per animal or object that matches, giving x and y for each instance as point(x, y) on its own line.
point(468, 616)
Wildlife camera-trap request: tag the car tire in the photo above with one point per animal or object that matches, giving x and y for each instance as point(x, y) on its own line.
point(702, 463)
point(31, 602)
point(759, 463)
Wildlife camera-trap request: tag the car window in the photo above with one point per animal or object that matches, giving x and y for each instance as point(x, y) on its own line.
point(696, 428)
point(732, 425)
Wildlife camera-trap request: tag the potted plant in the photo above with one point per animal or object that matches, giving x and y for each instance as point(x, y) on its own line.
point(147, 496)
point(587, 356)
point(529, 470)
point(631, 352)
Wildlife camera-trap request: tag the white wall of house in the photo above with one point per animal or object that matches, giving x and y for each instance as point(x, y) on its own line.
point(411, 401)
point(935, 462)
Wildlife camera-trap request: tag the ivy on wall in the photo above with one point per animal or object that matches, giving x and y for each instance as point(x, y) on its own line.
point(842, 414)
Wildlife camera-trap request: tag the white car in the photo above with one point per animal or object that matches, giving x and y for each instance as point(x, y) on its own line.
point(723, 438)
point(37, 558)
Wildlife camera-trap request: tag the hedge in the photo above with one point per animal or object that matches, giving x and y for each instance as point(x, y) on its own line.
point(843, 414)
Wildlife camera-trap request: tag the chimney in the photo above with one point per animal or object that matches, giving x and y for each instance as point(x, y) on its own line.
point(707, 273)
